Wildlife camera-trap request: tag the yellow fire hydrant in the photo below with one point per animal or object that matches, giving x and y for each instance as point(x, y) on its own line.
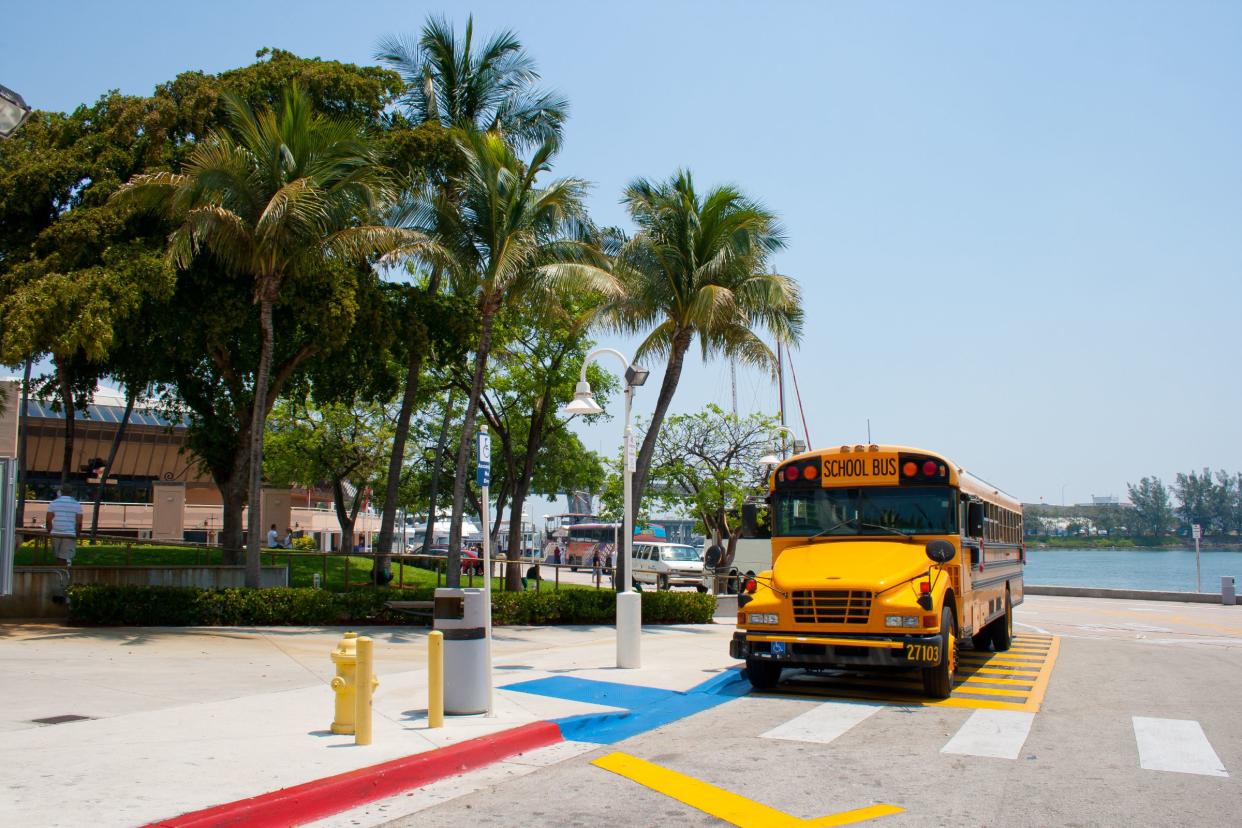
point(344, 683)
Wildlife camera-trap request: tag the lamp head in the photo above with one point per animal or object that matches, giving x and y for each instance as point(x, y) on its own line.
point(583, 402)
point(769, 460)
point(13, 111)
point(636, 375)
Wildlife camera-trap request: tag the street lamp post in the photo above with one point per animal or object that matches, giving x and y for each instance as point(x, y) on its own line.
point(770, 459)
point(629, 602)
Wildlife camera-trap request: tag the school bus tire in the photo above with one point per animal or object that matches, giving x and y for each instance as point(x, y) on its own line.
point(762, 675)
point(1001, 630)
point(982, 639)
point(938, 680)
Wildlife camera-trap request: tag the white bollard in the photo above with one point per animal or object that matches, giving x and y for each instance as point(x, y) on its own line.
point(1228, 593)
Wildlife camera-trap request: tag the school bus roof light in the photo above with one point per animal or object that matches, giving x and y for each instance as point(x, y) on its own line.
point(909, 469)
point(810, 471)
point(791, 473)
point(929, 468)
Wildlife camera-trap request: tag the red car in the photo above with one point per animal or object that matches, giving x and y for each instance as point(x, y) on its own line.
point(470, 561)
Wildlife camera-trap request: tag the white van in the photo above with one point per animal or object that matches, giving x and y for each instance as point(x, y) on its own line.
point(668, 565)
point(752, 556)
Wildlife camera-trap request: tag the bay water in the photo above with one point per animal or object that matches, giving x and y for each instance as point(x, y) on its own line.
point(1159, 569)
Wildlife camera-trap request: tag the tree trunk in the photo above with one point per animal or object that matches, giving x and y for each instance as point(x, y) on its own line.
point(672, 375)
point(383, 546)
point(233, 496)
point(258, 421)
point(23, 427)
point(130, 396)
point(66, 396)
point(464, 446)
point(441, 445)
point(345, 517)
point(521, 488)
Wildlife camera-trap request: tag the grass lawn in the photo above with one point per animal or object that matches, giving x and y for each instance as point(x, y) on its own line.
point(332, 569)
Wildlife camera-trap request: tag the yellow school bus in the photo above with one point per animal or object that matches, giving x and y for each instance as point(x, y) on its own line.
point(883, 557)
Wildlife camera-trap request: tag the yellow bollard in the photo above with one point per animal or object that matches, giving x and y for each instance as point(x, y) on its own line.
point(435, 679)
point(345, 657)
point(366, 683)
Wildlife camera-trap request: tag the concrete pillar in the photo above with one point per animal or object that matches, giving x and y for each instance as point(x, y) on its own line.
point(10, 405)
point(168, 520)
point(275, 507)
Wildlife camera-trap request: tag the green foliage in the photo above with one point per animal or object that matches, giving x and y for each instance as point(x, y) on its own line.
point(1153, 512)
point(141, 606)
point(100, 605)
point(305, 543)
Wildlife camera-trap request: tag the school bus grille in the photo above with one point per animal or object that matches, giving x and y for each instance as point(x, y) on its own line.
point(831, 606)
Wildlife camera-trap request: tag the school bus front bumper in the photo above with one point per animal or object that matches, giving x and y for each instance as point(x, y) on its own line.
point(810, 650)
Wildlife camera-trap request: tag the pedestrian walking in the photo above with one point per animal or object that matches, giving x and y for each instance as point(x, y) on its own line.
point(597, 564)
point(64, 522)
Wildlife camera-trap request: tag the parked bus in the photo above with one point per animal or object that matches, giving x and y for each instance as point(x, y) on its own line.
point(582, 532)
point(882, 557)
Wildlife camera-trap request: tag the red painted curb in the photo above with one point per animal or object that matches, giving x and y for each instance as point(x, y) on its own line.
point(324, 797)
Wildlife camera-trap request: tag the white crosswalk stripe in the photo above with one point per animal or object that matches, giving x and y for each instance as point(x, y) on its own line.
point(1177, 745)
point(823, 723)
point(996, 733)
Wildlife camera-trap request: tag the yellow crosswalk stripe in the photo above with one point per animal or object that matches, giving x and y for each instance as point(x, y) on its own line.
point(722, 804)
point(1018, 681)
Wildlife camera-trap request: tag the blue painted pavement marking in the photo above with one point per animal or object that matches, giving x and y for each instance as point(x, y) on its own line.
point(646, 707)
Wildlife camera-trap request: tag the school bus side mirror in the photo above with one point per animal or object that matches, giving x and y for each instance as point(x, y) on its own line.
point(711, 558)
point(974, 520)
point(940, 551)
point(756, 521)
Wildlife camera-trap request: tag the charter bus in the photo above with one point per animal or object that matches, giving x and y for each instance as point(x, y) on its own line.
point(581, 533)
point(882, 557)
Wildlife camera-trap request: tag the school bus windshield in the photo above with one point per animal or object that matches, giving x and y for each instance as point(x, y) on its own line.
point(874, 510)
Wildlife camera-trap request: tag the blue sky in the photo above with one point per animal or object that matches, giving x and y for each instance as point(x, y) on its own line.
point(1017, 225)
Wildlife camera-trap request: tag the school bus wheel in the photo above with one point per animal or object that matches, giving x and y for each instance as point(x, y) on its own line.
point(1001, 630)
point(763, 675)
point(938, 680)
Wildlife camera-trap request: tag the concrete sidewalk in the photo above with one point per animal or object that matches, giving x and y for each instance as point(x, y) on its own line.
point(183, 719)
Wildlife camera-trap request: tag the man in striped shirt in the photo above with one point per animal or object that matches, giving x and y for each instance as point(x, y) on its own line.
point(64, 521)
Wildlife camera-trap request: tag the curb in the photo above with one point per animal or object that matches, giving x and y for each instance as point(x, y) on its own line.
point(324, 797)
point(1125, 594)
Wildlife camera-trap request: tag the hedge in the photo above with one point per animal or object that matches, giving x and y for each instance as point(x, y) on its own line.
point(153, 606)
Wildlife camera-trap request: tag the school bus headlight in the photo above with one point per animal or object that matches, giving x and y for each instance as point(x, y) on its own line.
point(763, 618)
point(901, 621)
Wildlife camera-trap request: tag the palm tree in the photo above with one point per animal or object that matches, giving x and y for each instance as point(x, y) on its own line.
point(506, 237)
point(278, 197)
point(698, 268)
point(450, 84)
point(492, 89)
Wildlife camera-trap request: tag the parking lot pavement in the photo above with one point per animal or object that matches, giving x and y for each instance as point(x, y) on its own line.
point(1137, 727)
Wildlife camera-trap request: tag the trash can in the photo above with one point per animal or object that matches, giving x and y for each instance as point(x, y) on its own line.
point(1228, 594)
point(460, 615)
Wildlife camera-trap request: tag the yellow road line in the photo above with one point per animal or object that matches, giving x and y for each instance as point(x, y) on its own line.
point(1045, 674)
point(1002, 670)
point(722, 804)
point(1027, 683)
point(993, 691)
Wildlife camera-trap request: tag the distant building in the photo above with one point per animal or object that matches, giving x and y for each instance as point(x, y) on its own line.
point(152, 457)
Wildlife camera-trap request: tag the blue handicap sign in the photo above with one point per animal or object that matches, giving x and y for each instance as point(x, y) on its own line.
point(483, 476)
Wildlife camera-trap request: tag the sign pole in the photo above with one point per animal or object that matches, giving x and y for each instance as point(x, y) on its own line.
point(483, 475)
point(1197, 531)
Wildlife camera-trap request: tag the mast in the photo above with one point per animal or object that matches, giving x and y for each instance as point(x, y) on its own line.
point(733, 379)
point(780, 380)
